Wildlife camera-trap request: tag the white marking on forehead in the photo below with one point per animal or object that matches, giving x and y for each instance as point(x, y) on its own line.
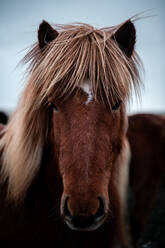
point(86, 86)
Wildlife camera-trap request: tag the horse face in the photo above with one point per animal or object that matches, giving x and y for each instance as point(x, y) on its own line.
point(88, 140)
point(88, 137)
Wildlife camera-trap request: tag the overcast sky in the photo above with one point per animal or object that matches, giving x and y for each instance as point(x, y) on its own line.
point(19, 21)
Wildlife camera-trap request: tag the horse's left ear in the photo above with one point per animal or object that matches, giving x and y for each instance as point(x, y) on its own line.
point(125, 36)
point(46, 34)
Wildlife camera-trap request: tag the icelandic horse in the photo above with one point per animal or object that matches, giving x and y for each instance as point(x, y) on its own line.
point(64, 154)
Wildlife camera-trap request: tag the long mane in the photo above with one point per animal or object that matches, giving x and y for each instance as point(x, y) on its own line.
point(79, 52)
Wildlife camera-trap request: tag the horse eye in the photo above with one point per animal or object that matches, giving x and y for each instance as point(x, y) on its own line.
point(54, 107)
point(116, 106)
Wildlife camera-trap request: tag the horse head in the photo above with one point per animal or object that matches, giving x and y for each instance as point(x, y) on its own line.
point(83, 77)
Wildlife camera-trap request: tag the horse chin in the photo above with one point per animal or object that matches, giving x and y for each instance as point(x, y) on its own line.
point(91, 228)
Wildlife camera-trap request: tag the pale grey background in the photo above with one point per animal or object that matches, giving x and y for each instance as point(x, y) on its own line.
point(19, 20)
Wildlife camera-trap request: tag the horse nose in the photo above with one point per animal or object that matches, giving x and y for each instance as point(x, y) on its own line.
point(83, 221)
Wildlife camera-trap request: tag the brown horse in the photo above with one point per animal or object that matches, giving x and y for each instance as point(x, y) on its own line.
point(65, 148)
point(146, 135)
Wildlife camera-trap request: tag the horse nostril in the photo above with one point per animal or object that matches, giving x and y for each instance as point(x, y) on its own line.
point(66, 211)
point(101, 210)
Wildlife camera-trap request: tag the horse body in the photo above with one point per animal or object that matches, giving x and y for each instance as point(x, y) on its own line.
point(65, 147)
point(146, 135)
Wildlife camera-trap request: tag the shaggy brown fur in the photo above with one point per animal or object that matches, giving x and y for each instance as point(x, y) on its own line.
point(146, 135)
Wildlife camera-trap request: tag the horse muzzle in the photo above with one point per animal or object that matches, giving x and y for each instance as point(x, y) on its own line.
point(82, 221)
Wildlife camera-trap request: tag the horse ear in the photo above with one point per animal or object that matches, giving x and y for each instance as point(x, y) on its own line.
point(46, 34)
point(125, 36)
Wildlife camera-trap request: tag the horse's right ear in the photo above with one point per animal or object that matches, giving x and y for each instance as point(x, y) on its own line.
point(46, 34)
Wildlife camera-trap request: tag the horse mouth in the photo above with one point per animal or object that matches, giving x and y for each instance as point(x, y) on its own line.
point(78, 224)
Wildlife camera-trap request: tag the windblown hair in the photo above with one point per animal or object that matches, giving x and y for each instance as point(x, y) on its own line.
point(79, 52)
